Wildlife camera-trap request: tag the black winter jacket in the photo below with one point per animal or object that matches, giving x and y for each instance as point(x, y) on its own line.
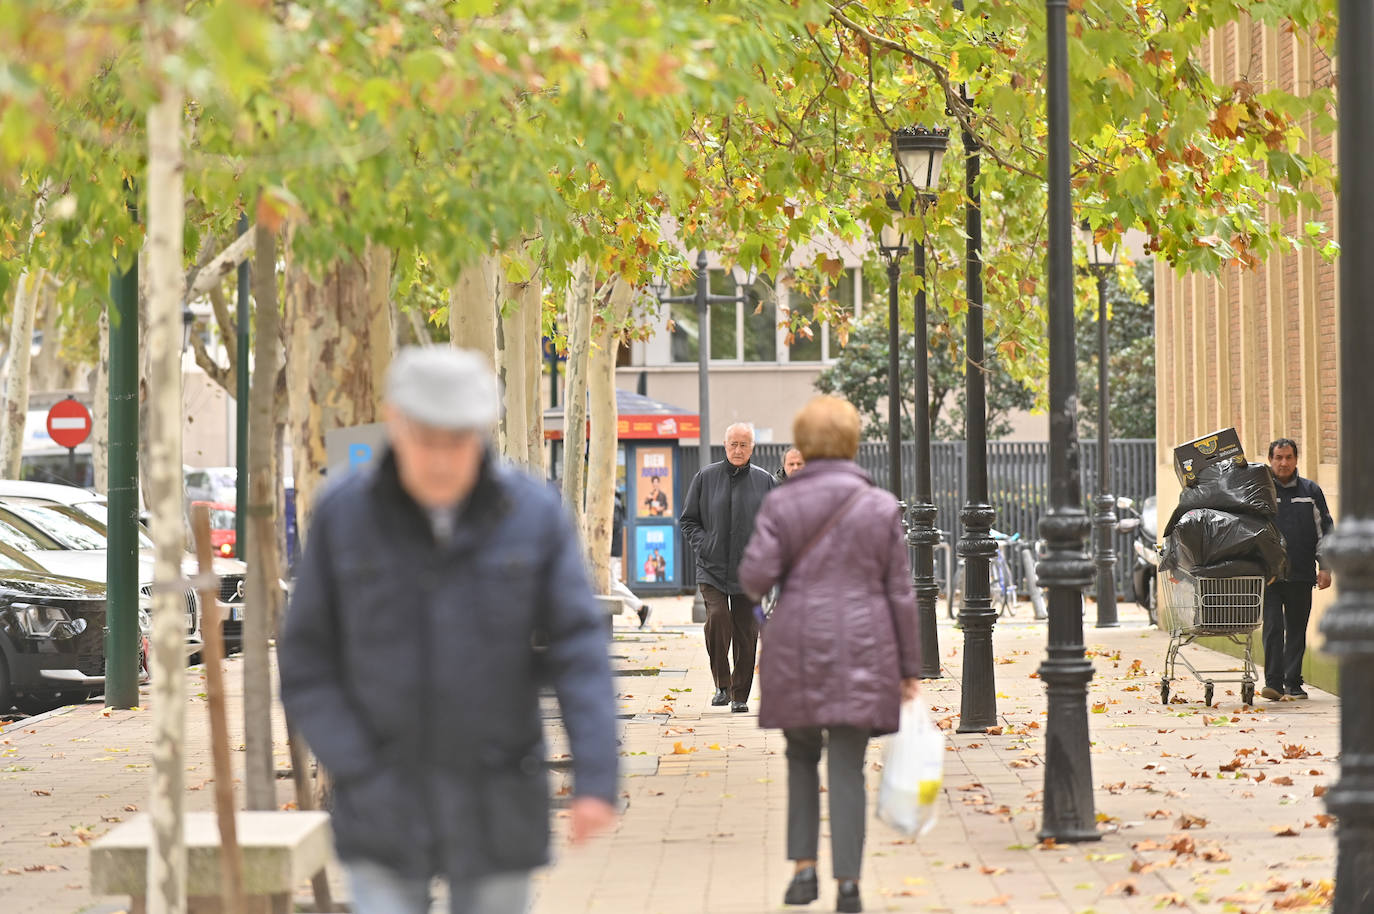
point(718, 519)
point(1303, 520)
point(408, 666)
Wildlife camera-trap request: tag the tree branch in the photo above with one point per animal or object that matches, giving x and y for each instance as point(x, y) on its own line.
point(221, 266)
point(228, 327)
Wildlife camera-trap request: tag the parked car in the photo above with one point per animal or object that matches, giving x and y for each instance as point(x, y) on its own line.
point(52, 637)
point(69, 544)
point(223, 536)
point(231, 572)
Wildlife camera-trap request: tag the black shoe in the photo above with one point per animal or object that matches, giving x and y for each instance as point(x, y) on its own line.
point(848, 901)
point(804, 887)
point(1271, 693)
point(643, 612)
point(720, 698)
point(1296, 692)
point(738, 707)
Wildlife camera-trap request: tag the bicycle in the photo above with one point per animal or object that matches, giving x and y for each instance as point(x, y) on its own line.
point(1002, 579)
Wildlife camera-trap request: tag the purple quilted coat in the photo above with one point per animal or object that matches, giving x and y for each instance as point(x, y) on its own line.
point(844, 633)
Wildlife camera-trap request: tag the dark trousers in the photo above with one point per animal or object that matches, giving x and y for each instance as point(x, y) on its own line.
point(1287, 607)
point(848, 808)
point(730, 624)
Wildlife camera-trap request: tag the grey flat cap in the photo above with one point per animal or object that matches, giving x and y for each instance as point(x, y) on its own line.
point(443, 387)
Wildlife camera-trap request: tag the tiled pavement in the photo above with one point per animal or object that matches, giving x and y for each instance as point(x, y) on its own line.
point(704, 829)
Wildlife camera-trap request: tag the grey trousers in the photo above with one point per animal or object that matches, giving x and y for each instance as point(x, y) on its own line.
point(848, 807)
point(378, 889)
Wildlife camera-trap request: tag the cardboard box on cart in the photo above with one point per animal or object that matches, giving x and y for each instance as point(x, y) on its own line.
point(1190, 458)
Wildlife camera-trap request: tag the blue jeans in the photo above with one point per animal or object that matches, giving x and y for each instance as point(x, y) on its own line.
point(378, 889)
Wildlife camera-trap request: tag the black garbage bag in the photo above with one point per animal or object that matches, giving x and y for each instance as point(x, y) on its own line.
point(1206, 537)
point(1233, 568)
point(1237, 488)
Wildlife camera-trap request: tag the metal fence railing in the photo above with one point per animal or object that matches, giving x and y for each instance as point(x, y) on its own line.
point(1018, 482)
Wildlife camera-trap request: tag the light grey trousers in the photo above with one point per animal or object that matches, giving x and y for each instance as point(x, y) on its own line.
point(848, 807)
point(378, 889)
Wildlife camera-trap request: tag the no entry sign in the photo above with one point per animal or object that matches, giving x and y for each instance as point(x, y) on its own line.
point(69, 423)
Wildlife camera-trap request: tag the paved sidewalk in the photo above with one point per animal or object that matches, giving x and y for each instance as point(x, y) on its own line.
point(1204, 810)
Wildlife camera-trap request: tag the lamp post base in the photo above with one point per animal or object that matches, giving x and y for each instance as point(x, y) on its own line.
point(698, 607)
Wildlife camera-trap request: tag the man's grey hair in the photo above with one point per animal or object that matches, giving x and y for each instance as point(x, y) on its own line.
point(747, 426)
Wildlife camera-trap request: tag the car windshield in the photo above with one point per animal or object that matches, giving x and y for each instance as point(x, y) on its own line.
point(69, 527)
point(99, 512)
point(18, 534)
point(221, 519)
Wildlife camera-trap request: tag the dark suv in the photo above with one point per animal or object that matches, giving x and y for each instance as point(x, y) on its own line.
point(52, 637)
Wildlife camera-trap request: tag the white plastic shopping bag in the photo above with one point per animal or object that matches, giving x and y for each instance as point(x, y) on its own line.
point(913, 768)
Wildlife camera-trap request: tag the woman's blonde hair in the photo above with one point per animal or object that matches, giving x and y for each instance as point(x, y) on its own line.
point(827, 428)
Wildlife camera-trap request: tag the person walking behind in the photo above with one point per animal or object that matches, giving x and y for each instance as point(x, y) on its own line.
point(792, 462)
point(1303, 520)
point(407, 657)
point(618, 586)
point(717, 519)
point(842, 649)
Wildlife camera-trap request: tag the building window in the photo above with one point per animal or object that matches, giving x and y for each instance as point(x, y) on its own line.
point(824, 344)
point(760, 318)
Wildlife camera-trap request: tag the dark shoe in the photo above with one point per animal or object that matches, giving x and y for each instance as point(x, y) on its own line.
point(720, 698)
point(1271, 693)
point(738, 707)
point(804, 887)
point(848, 900)
point(643, 612)
point(1296, 692)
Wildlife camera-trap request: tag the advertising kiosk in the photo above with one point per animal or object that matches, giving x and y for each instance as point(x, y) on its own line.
point(650, 483)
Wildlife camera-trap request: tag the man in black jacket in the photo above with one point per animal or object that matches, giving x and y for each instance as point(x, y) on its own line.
point(717, 520)
point(407, 657)
point(1303, 520)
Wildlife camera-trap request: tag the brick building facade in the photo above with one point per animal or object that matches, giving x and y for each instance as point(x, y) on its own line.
point(1256, 348)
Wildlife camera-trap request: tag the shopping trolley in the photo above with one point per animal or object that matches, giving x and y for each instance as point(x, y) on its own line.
point(1193, 607)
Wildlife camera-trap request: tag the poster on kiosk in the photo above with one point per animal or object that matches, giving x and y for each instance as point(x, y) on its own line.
point(649, 482)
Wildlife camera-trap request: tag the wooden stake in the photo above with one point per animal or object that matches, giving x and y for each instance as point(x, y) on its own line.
point(231, 895)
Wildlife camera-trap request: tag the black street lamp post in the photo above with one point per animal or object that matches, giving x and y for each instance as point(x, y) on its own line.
point(1066, 569)
point(703, 298)
point(978, 706)
point(892, 245)
point(1349, 624)
point(1103, 264)
point(919, 154)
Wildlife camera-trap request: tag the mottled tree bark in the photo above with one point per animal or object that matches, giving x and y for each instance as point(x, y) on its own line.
point(167, 855)
point(532, 309)
point(261, 505)
point(581, 303)
point(472, 307)
point(26, 298)
point(338, 350)
point(601, 458)
point(511, 368)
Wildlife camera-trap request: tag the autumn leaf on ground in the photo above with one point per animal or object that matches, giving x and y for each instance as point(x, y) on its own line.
point(1124, 887)
point(1100, 708)
point(994, 731)
point(1171, 900)
point(1284, 831)
point(993, 870)
point(1297, 750)
point(1319, 790)
point(1187, 820)
point(1284, 781)
point(992, 902)
point(679, 749)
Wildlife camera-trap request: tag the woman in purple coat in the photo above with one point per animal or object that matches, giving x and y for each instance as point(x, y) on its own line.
point(841, 647)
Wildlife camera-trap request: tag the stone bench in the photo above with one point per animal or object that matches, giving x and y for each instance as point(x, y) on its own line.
point(281, 850)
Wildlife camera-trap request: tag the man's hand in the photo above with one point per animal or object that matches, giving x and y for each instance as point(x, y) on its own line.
point(1323, 579)
point(590, 817)
point(909, 688)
